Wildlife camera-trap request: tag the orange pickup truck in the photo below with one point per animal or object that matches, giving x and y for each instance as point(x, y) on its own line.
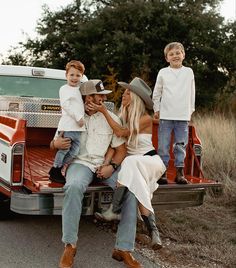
point(29, 113)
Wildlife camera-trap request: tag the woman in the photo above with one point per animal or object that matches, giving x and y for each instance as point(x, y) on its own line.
point(142, 168)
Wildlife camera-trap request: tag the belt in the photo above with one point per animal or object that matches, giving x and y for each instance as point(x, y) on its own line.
point(151, 153)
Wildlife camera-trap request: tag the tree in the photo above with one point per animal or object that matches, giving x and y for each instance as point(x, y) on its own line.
point(129, 36)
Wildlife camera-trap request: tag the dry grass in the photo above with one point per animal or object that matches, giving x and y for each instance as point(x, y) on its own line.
point(218, 136)
point(206, 236)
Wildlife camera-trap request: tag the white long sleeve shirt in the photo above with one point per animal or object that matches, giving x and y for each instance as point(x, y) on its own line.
point(72, 108)
point(174, 93)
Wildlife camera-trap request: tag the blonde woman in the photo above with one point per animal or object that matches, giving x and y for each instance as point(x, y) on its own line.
point(142, 167)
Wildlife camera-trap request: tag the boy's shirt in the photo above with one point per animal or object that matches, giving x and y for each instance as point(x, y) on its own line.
point(72, 108)
point(174, 93)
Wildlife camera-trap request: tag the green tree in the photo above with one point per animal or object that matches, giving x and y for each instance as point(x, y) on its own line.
point(129, 36)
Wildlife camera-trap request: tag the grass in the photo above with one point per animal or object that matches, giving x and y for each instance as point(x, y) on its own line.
point(205, 236)
point(218, 135)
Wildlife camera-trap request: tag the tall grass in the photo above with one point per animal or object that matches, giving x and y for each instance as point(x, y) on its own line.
point(205, 236)
point(218, 135)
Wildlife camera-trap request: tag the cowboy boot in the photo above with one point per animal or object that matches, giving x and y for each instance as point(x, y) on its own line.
point(113, 212)
point(150, 223)
point(126, 257)
point(163, 179)
point(180, 179)
point(67, 258)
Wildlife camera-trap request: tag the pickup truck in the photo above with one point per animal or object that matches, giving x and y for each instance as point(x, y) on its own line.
point(29, 114)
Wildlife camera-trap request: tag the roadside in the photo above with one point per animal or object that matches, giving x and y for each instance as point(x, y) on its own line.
point(202, 236)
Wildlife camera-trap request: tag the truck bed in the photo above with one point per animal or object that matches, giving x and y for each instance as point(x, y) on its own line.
point(39, 160)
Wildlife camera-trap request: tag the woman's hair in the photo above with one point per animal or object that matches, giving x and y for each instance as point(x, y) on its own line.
point(131, 114)
point(76, 64)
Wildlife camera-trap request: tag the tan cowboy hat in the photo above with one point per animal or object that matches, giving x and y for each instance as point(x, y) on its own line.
point(139, 87)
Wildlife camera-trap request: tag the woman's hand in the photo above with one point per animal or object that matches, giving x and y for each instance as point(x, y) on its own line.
point(97, 107)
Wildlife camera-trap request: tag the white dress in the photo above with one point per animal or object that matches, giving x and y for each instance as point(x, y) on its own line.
point(139, 172)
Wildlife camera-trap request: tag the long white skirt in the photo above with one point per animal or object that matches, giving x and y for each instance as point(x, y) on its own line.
point(140, 174)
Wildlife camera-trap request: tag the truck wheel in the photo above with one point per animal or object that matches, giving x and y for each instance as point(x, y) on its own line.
point(5, 212)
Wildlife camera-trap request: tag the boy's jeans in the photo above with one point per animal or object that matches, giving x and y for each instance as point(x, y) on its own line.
point(180, 129)
point(66, 156)
point(78, 178)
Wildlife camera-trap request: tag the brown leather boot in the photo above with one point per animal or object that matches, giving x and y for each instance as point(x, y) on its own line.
point(180, 179)
point(126, 257)
point(67, 258)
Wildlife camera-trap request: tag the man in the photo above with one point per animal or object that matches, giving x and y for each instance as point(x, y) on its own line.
point(95, 142)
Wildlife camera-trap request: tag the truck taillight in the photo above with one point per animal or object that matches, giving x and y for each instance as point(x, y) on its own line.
point(17, 164)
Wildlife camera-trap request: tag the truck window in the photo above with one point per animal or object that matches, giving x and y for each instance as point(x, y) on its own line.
point(30, 86)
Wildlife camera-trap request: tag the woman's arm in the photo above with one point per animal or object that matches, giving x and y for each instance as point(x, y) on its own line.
point(119, 131)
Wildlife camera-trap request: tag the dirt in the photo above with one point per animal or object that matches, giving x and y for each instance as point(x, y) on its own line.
point(195, 237)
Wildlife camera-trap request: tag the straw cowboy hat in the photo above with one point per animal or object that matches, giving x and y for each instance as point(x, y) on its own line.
point(139, 87)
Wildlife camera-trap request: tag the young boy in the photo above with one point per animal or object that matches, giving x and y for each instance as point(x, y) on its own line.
point(71, 122)
point(174, 103)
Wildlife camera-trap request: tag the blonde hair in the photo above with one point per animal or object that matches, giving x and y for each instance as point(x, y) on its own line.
point(76, 64)
point(173, 45)
point(130, 116)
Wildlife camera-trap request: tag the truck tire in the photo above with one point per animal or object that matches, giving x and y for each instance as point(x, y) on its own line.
point(5, 212)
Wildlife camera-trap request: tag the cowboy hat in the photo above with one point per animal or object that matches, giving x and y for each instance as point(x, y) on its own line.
point(139, 87)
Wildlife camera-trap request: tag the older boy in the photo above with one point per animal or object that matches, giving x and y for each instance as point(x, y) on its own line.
point(174, 103)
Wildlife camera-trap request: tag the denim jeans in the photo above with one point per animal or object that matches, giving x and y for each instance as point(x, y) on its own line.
point(66, 156)
point(78, 178)
point(180, 129)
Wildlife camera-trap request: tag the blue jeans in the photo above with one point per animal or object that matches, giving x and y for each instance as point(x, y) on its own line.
point(78, 177)
point(180, 129)
point(66, 156)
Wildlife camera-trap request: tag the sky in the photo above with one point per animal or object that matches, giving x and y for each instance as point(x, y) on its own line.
point(18, 19)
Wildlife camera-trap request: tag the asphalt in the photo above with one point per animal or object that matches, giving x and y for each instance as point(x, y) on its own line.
point(35, 241)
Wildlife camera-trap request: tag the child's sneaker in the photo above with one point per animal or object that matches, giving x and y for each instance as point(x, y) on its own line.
point(56, 176)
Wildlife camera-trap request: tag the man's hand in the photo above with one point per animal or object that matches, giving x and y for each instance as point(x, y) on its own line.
point(60, 143)
point(104, 172)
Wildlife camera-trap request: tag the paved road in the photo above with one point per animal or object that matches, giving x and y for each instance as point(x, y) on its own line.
point(35, 241)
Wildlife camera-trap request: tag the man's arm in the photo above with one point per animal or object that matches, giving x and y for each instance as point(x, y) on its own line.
point(105, 172)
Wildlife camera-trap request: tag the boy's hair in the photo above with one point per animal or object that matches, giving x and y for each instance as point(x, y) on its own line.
point(173, 45)
point(76, 64)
